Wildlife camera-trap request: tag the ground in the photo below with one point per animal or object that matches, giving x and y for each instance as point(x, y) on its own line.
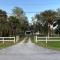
point(28, 51)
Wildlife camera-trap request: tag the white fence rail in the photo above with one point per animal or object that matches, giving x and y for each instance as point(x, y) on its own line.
point(47, 39)
point(3, 39)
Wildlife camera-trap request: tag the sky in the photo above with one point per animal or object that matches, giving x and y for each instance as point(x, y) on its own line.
point(32, 6)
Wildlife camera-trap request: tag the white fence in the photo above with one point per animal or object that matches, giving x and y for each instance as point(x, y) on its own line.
point(3, 39)
point(47, 39)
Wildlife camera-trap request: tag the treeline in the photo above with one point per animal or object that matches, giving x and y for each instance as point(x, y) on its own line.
point(14, 23)
point(47, 22)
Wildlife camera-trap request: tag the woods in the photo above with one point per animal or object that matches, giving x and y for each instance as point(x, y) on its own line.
point(11, 25)
point(47, 22)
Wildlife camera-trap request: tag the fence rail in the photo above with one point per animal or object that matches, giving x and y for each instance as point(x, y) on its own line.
point(47, 39)
point(3, 39)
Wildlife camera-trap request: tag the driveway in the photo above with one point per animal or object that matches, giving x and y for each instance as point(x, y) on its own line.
point(28, 51)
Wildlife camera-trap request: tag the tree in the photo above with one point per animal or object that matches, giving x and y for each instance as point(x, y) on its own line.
point(3, 23)
point(14, 25)
point(57, 30)
point(47, 17)
point(19, 14)
point(17, 11)
point(25, 24)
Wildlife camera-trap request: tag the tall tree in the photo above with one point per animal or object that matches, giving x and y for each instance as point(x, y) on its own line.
point(20, 14)
point(14, 25)
point(57, 31)
point(46, 17)
point(3, 22)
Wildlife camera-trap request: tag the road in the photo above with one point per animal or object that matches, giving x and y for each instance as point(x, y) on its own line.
point(28, 51)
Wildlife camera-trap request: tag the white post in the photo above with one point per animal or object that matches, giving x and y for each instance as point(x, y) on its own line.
point(17, 38)
point(36, 39)
point(3, 40)
point(46, 40)
point(14, 40)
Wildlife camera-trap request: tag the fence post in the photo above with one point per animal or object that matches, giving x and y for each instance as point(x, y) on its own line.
point(14, 40)
point(36, 39)
point(3, 40)
point(17, 38)
point(46, 40)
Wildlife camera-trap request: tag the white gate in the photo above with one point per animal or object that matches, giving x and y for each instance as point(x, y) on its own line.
point(47, 39)
point(3, 39)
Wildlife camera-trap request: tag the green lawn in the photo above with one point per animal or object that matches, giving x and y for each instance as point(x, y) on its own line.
point(50, 44)
point(8, 44)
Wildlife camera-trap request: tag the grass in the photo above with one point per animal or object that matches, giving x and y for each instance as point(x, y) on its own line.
point(8, 44)
point(50, 44)
point(26, 40)
point(20, 38)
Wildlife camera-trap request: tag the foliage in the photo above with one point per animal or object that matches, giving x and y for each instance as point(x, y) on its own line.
point(45, 19)
point(13, 24)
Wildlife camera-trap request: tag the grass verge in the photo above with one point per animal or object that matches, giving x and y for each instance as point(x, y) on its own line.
point(55, 45)
point(26, 40)
point(9, 43)
point(6, 44)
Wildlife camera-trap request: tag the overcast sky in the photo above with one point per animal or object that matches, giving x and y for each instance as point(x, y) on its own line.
point(32, 6)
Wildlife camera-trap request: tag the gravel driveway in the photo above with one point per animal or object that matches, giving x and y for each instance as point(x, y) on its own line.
point(28, 51)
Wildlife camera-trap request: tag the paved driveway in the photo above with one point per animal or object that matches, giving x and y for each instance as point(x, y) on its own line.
point(28, 51)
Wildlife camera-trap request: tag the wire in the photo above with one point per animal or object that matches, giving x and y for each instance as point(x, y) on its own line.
point(26, 12)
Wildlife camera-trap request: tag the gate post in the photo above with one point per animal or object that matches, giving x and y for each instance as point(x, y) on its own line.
point(46, 40)
point(3, 40)
point(36, 39)
point(17, 38)
point(14, 40)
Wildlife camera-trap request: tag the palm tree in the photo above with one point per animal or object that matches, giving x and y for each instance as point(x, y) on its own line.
point(46, 19)
point(20, 14)
point(49, 16)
